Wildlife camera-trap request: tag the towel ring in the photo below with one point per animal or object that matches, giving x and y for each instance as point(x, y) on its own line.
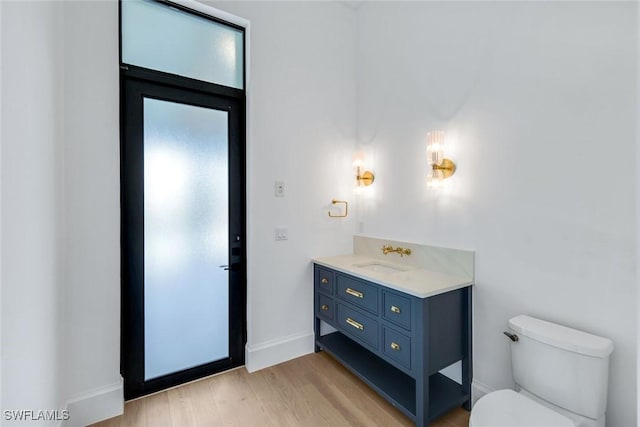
point(346, 208)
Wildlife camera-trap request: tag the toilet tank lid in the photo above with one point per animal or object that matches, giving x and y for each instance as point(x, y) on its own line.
point(561, 336)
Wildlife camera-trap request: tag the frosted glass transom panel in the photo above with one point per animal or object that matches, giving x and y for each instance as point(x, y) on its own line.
point(186, 236)
point(163, 38)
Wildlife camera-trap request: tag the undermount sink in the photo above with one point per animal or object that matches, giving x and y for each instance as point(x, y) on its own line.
point(380, 268)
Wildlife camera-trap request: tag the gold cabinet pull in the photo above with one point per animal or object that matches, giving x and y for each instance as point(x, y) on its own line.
point(355, 324)
point(395, 309)
point(354, 293)
point(324, 307)
point(395, 346)
point(324, 281)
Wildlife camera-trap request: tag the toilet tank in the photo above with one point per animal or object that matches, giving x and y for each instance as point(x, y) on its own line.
point(564, 366)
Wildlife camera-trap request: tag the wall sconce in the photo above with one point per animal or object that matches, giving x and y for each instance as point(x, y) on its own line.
point(363, 178)
point(441, 168)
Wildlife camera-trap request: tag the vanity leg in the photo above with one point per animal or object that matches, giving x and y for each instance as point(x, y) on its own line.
point(316, 333)
point(420, 311)
point(467, 366)
point(422, 401)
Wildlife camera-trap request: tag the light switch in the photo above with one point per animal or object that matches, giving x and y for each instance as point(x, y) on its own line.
point(279, 188)
point(281, 233)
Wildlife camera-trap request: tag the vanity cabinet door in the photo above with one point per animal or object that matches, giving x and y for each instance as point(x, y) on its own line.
point(324, 280)
point(396, 309)
point(396, 346)
point(325, 308)
point(357, 292)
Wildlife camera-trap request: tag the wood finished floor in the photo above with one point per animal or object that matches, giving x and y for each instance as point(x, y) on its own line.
point(313, 390)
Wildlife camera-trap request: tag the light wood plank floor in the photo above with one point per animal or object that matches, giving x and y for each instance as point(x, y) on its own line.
point(313, 390)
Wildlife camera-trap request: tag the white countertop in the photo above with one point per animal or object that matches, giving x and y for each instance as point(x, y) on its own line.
point(411, 280)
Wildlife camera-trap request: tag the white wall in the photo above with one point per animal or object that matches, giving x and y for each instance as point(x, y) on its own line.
point(539, 98)
point(92, 208)
point(31, 206)
point(302, 131)
point(60, 208)
point(1, 357)
point(638, 219)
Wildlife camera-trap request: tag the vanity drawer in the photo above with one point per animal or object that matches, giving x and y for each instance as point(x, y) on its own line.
point(358, 325)
point(324, 280)
point(396, 309)
point(358, 293)
point(325, 307)
point(397, 346)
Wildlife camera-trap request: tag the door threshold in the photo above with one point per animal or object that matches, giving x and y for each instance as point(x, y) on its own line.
point(184, 384)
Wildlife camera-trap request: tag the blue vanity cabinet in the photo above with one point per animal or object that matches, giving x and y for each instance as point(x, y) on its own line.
point(397, 343)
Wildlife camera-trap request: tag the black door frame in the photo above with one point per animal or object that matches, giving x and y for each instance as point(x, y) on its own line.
point(136, 83)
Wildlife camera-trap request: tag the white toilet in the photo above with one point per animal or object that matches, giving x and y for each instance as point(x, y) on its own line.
point(561, 374)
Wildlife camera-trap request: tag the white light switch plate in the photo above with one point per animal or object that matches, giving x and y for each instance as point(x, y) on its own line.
point(281, 233)
point(279, 188)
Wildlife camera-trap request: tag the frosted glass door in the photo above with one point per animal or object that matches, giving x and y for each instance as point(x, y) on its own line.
point(186, 236)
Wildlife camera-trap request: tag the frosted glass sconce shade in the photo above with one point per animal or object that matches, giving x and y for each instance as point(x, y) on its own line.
point(440, 167)
point(435, 147)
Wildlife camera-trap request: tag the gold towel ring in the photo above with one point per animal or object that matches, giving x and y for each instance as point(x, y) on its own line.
point(346, 208)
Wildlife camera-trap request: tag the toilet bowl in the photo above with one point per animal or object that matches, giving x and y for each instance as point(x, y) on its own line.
point(561, 374)
point(506, 408)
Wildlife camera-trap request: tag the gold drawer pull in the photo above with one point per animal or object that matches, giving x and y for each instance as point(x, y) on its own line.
point(395, 309)
point(395, 346)
point(354, 293)
point(324, 281)
point(355, 324)
point(324, 307)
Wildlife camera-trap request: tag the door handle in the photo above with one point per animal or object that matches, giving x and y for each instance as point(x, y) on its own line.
point(235, 266)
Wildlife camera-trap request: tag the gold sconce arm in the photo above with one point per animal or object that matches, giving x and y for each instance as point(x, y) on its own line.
point(365, 178)
point(346, 208)
point(447, 167)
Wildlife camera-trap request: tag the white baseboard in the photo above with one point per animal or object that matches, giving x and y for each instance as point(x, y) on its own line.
point(478, 390)
point(97, 405)
point(277, 351)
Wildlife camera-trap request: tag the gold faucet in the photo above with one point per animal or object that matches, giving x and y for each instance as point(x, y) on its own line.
point(401, 251)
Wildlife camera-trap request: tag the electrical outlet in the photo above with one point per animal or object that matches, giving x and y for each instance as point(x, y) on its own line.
point(279, 188)
point(281, 233)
